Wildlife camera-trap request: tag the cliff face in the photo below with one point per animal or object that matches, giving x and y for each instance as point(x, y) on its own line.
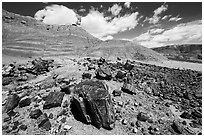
point(185, 52)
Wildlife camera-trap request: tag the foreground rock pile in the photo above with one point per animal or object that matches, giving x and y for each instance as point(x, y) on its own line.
point(124, 97)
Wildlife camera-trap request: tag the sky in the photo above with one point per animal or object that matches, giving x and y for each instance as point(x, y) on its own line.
point(151, 24)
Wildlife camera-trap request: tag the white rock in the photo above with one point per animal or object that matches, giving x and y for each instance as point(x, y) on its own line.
point(67, 127)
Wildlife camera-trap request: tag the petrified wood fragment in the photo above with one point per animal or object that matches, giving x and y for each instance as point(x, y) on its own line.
point(93, 104)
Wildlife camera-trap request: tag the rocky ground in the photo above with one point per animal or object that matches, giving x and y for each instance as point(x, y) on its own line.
point(41, 97)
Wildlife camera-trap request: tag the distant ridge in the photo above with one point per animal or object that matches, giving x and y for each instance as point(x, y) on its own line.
point(183, 52)
point(25, 36)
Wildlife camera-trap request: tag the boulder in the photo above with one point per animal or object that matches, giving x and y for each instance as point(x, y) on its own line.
point(92, 104)
point(177, 127)
point(8, 70)
point(104, 72)
point(117, 92)
point(66, 88)
point(24, 102)
point(6, 80)
point(35, 113)
point(185, 115)
point(12, 102)
point(142, 116)
point(43, 122)
point(120, 74)
point(129, 88)
point(54, 99)
point(128, 65)
point(86, 76)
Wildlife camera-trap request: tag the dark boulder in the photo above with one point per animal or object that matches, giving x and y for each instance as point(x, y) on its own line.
point(92, 104)
point(6, 80)
point(86, 76)
point(24, 102)
point(120, 74)
point(67, 89)
point(12, 102)
point(196, 114)
point(185, 115)
point(43, 122)
point(129, 88)
point(128, 65)
point(142, 116)
point(117, 92)
point(23, 127)
point(104, 72)
point(35, 113)
point(54, 99)
point(177, 127)
point(8, 70)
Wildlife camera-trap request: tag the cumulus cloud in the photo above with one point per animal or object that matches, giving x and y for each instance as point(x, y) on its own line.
point(82, 10)
point(156, 31)
point(115, 9)
point(56, 14)
point(175, 19)
point(109, 37)
point(99, 26)
point(127, 4)
point(182, 33)
point(95, 22)
point(165, 17)
point(157, 12)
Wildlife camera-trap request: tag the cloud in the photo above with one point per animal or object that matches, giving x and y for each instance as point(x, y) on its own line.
point(109, 37)
point(127, 4)
point(56, 14)
point(156, 31)
point(190, 32)
point(82, 10)
point(175, 19)
point(99, 26)
point(156, 17)
point(165, 17)
point(115, 9)
point(95, 22)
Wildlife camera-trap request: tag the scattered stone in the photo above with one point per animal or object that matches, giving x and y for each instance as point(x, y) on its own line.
point(65, 104)
point(185, 115)
point(118, 110)
point(5, 127)
point(86, 76)
point(6, 119)
point(142, 116)
point(129, 88)
point(120, 74)
point(51, 116)
point(167, 104)
point(65, 88)
point(67, 127)
point(43, 122)
point(176, 127)
point(120, 103)
point(12, 102)
point(63, 120)
point(138, 124)
point(117, 92)
point(196, 114)
point(184, 122)
point(156, 129)
point(104, 72)
point(124, 122)
point(134, 130)
point(54, 99)
point(35, 113)
point(24, 102)
point(128, 65)
point(23, 127)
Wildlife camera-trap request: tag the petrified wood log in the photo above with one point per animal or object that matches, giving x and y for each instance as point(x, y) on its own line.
point(93, 103)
